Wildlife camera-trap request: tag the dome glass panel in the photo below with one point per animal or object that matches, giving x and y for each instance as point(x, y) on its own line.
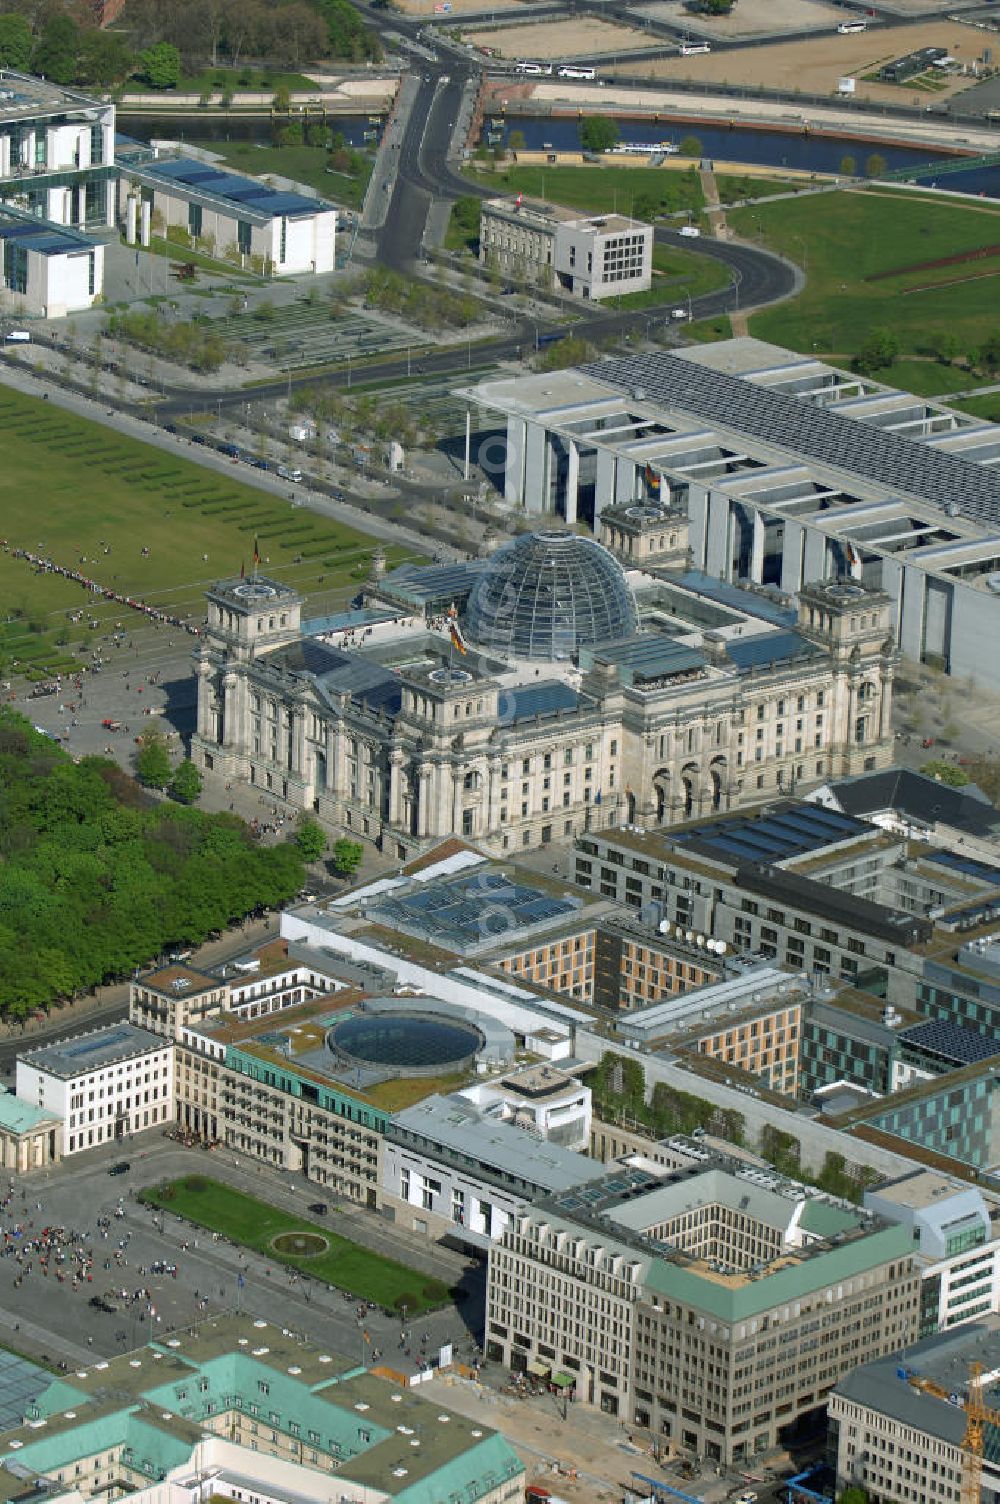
point(547, 594)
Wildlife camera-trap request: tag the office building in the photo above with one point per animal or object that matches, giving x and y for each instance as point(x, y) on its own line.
point(237, 218)
point(716, 1306)
point(790, 472)
point(57, 152)
point(49, 270)
point(450, 1171)
point(103, 1086)
point(552, 722)
point(897, 1425)
point(244, 1412)
point(956, 1250)
point(590, 256)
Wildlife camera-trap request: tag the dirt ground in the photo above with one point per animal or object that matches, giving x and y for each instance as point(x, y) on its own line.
point(560, 39)
point(750, 18)
point(587, 1441)
point(815, 66)
point(439, 10)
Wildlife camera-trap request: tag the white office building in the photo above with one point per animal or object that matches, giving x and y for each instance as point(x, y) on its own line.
point(240, 219)
point(49, 270)
point(57, 151)
point(447, 1171)
point(102, 1086)
point(789, 472)
point(955, 1248)
point(591, 256)
point(550, 1103)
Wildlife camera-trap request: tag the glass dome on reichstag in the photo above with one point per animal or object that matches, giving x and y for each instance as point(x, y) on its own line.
point(547, 594)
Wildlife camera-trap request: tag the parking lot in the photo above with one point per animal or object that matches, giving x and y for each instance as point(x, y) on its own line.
point(105, 1285)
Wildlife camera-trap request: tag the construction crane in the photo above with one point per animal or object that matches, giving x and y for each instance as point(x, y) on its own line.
point(976, 1416)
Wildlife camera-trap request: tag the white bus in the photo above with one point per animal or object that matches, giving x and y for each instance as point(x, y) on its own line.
point(534, 70)
point(569, 70)
point(692, 49)
point(847, 27)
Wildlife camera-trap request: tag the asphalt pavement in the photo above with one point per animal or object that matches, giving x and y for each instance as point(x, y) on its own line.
point(47, 1316)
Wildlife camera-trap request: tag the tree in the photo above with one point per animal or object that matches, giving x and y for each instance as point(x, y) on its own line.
point(852, 1496)
point(989, 353)
point(948, 347)
point(160, 66)
point(152, 761)
point(105, 58)
point(848, 166)
point(310, 838)
point(598, 133)
point(516, 141)
point(56, 52)
point(186, 783)
point(347, 856)
point(16, 41)
point(880, 349)
point(690, 147)
point(946, 773)
point(874, 165)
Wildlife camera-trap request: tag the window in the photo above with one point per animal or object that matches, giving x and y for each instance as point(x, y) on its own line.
point(194, 220)
point(244, 233)
point(283, 241)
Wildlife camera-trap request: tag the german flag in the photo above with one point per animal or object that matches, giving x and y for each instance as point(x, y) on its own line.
point(653, 478)
point(256, 553)
point(454, 631)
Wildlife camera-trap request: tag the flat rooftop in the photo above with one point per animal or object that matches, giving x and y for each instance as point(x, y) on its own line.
point(817, 433)
point(40, 235)
point(23, 96)
point(892, 1386)
point(92, 1052)
point(536, 1082)
point(454, 1124)
point(246, 197)
point(539, 212)
point(473, 911)
point(921, 1189)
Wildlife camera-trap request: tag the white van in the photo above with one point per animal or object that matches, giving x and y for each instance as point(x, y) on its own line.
point(290, 472)
point(690, 232)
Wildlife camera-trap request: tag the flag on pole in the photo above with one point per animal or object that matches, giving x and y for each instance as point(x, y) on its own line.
point(653, 478)
point(240, 1281)
point(519, 201)
point(256, 553)
point(454, 631)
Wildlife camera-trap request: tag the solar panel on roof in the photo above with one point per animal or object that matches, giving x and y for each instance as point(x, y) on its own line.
point(820, 433)
point(952, 1040)
point(968, 866)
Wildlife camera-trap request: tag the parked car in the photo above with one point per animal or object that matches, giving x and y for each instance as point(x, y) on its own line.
point(121, 1168)
point(319, 1207)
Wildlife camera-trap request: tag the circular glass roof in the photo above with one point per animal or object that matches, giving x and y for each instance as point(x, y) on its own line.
point(406, 1042)
point(547, 594)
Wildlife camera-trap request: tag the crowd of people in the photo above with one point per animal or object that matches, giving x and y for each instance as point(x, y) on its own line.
point(43, 565)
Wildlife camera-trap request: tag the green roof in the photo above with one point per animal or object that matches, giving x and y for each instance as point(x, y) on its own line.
point(826, 1220)
point(735, 1298)
point(153, 1408)
point(19, 1116)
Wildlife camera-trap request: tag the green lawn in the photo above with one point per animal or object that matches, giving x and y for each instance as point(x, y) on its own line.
point(105, 491)
point(604, 188)
point(843, 239)
point(676, 273)
point(987, 407)
point(304, 164)
point(930, 378)
point(732, 188)
point(238, 79)
point(706, 331)
point(255, 1224)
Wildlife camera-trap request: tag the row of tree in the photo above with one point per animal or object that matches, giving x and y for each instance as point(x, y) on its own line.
point(97, 878)
point(426, 307)
point(291, 30)
point(883, 348)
